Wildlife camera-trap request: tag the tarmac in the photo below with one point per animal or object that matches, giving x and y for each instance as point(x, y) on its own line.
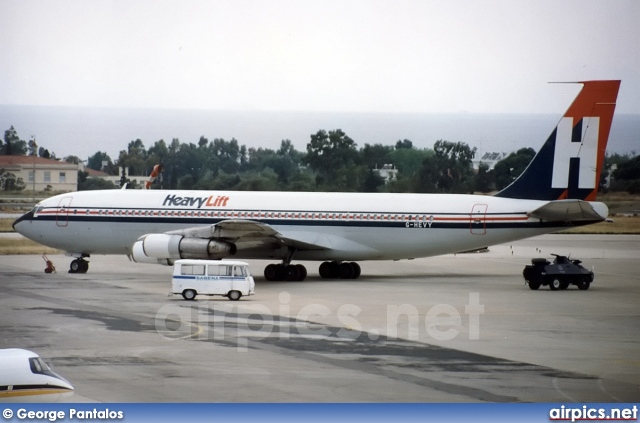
point(456, 328)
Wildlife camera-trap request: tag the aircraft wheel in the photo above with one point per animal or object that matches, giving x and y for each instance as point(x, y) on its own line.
point(356, 270)
point(75, 266)
point(346, 271)
point(270, 272)
point(325, 270)
point(329, 269)
point(279, 272)
point(555, 284)
point(189, 294)
point(84, 266)
point(234, 295)
point(291, 273)
point(303, 272)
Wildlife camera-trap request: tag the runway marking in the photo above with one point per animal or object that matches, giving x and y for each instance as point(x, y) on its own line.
point(193, 335)
point(554, 382)
point(607, 392)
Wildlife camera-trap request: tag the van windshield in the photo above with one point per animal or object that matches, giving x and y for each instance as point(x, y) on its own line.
point(240, 271)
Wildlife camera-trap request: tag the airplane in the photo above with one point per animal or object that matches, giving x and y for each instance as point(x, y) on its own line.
point(25, 377)
point(556, 191)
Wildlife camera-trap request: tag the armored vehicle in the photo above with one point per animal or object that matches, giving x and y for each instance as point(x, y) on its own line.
point(558, 275)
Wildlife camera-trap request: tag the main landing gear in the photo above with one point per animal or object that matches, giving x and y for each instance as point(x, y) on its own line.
point(285, 272)
point(79, 265)
point(344, 270)
point(297, 272)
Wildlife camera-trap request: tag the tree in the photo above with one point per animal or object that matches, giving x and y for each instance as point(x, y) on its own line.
point(329, 152)
point(483, 179)
point(267, 180)
point(301, 182)
point(95, 162)
point(72, 159)
point(375, 156)
point(9, 181)
point(44, 153)
point(86, 184)
point(509, 168)
point(449, 170)
point(134, 158)
point(228, 155)
point(32, 147)
point(372, 181)
point(404, 144)
point(627, 176)
point(408, 161)
point(13, 145)
point(628, 170)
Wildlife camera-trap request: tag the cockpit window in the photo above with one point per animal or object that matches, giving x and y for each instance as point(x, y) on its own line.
point(39, 367)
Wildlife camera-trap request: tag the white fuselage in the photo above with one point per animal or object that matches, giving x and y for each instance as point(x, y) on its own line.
point(349, 226)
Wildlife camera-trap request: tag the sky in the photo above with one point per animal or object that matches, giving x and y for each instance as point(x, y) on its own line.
point(413, 56)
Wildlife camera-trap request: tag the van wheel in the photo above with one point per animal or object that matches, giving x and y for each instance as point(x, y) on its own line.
point(189, 294)
point(234, 295)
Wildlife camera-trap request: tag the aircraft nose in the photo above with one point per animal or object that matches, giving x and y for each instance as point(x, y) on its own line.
point(26, 216)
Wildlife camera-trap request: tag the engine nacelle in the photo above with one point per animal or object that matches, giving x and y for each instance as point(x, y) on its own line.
point(154, 248)
point(138, 255)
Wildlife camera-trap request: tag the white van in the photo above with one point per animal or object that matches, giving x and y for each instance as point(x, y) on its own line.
point(229, 278)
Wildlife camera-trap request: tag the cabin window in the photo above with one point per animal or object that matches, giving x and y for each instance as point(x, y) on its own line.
point(192, 269)
point(219, 270)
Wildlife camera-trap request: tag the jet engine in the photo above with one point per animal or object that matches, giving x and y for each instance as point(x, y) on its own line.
point(163, 248)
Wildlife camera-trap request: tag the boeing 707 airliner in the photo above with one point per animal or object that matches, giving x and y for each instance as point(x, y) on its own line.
point(557, 190)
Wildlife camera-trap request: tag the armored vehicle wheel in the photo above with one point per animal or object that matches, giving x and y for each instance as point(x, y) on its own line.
point(555, 284)
point(534, 285)
point(584, 285)
point(564, 285)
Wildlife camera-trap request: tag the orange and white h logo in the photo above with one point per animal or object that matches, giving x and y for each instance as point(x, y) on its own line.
point(576, 153)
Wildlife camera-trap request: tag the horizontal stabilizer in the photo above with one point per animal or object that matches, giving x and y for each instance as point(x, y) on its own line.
point(571, 211)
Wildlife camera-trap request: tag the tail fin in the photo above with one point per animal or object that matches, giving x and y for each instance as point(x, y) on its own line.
point(569, 164)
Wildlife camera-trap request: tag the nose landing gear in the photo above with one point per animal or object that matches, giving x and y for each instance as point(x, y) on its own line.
point(79, 265)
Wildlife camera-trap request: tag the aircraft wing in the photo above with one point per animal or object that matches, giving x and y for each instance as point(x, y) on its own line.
point(571, 211)
point(252, 234)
